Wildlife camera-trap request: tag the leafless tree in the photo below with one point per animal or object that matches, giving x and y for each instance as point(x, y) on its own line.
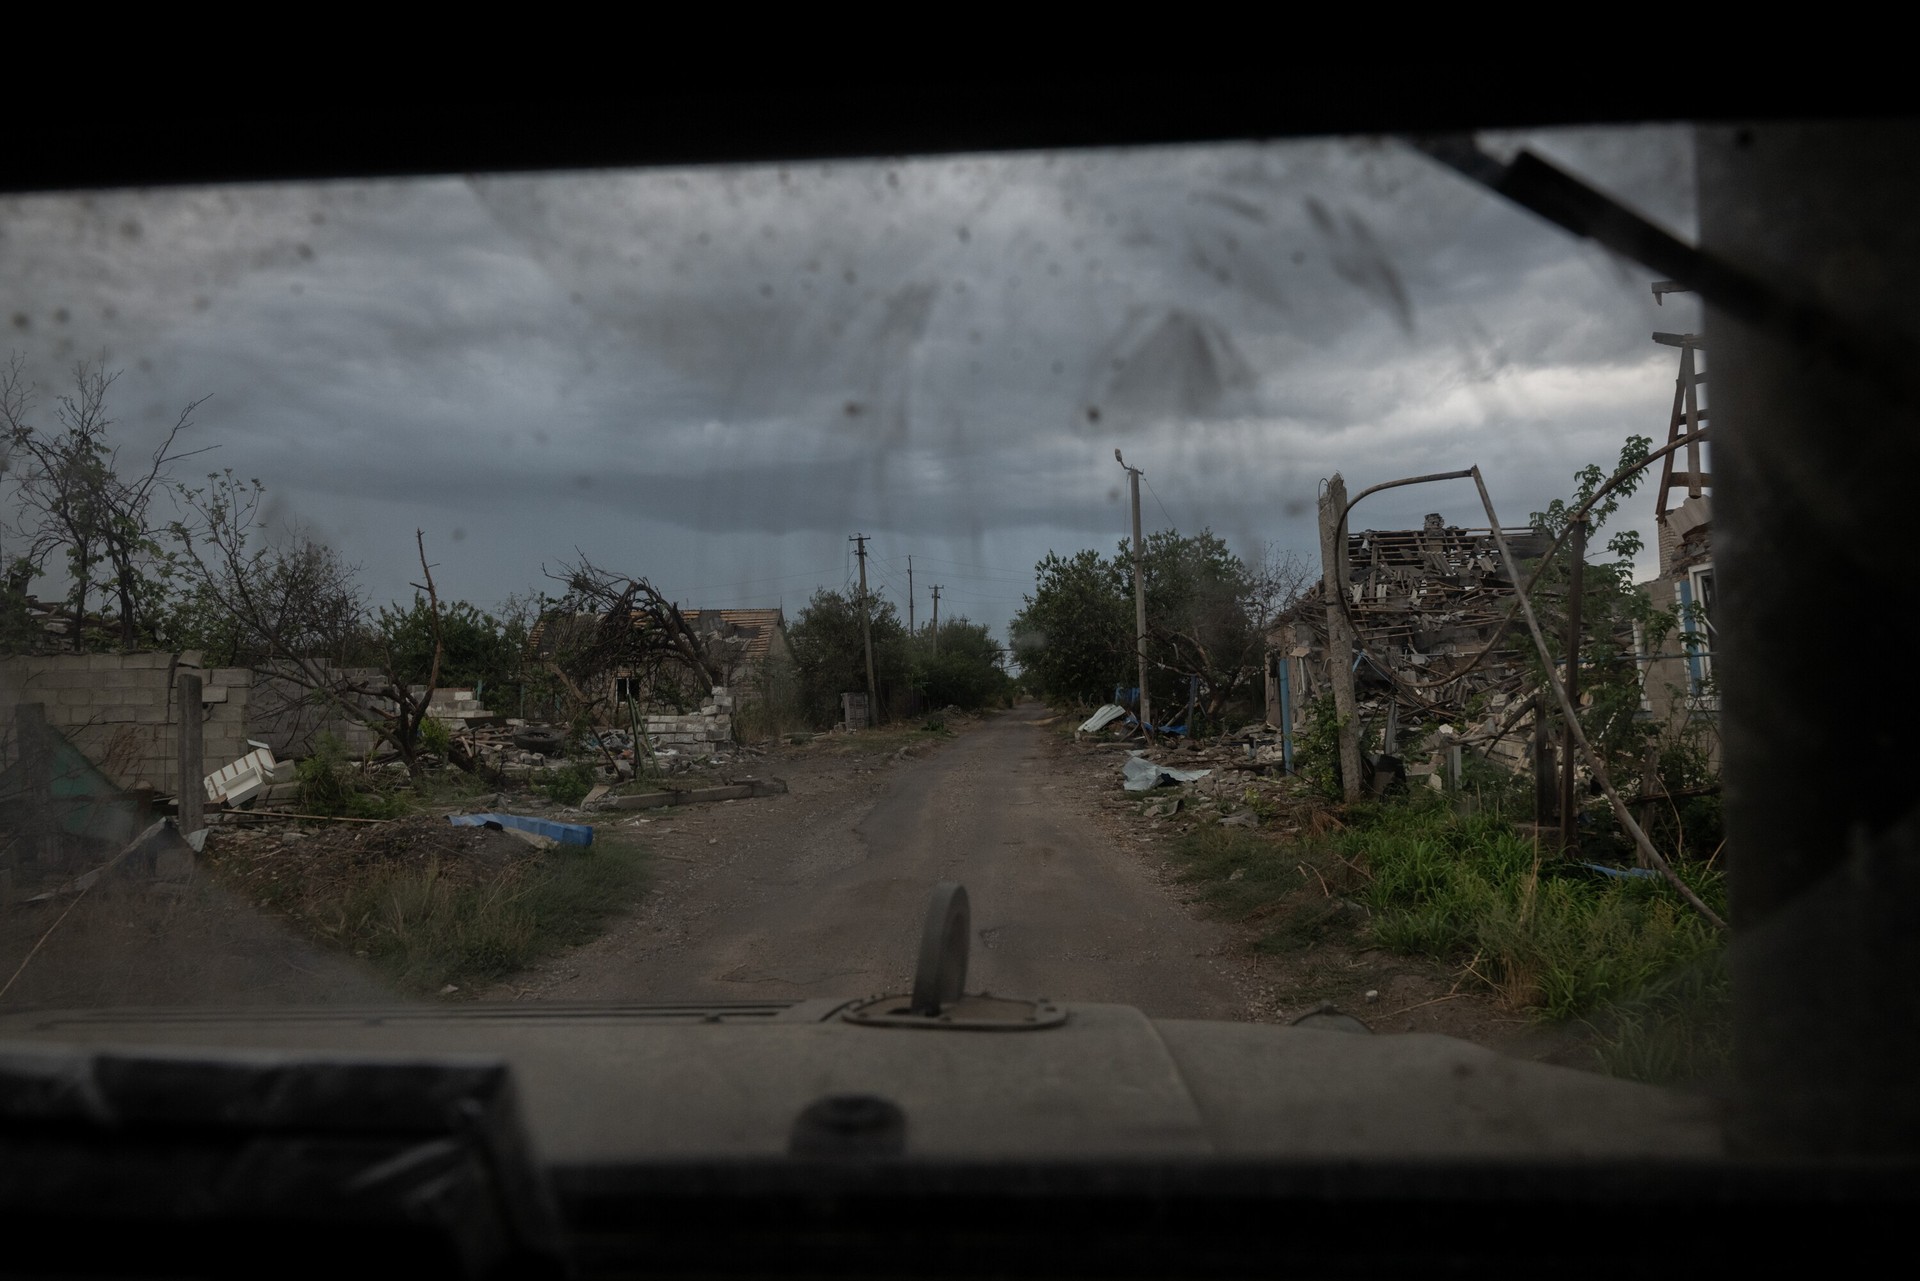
point(296, 614)
point(72, 493)
point(633, 630)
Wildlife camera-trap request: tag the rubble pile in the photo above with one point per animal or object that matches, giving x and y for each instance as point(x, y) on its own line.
point(1427, 607)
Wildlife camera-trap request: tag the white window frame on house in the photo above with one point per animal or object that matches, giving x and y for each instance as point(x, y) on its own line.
point(1697, 587)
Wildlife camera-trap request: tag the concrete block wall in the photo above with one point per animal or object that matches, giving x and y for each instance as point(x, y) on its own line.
point(120, 710)
point(286, 716)
point(698, 733)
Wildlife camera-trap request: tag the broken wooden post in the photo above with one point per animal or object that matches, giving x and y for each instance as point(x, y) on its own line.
point(1577, 549)
point(1333, 592)
point(1541, 759)
point(191, 788)
point(37, 833)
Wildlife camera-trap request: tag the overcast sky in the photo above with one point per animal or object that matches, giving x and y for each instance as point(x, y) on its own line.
point(713, 377)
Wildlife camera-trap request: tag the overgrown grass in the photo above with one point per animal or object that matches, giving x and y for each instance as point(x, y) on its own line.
point(1627, 956)
point(1473, 890)
point(425, 930)
point(1678, 1029)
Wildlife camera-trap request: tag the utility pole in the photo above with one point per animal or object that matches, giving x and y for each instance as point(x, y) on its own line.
point(1340, 645)
point(910, 596)
point(936, 620)
point(866, 629)
point(1139, 598)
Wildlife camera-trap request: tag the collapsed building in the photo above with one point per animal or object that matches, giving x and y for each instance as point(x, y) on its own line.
point(1429, 610)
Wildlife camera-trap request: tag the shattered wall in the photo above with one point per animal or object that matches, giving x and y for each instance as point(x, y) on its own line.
point(120, 709)
point(698, 734)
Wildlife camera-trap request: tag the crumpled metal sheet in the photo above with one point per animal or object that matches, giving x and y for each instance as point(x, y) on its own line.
point(1142, 775)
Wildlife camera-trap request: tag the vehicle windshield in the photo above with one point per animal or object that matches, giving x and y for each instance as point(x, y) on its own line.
point(645, 586)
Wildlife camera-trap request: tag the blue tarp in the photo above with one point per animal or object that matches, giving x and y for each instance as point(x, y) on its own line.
point(1622, 872)
point(565, 833)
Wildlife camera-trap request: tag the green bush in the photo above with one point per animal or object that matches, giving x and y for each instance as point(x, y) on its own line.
point(435, 738)
point(326, 781)
point(569, 784)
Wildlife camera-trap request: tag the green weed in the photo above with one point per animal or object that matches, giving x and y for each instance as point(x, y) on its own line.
point(426, 930)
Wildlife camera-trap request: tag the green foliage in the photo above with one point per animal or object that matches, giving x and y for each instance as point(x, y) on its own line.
point(1317, 749)
point(1472, 890)
point(329, 785)
point(1074, 640)
point(425, 929)
point(1610, 608)
point(477, 651)
point(1235, 870)
point(1676, 1030)
point(968, 672)
point(435, 737)
point(1206, 618)
point(325, 777)
point(829, 656)
point(570, 783)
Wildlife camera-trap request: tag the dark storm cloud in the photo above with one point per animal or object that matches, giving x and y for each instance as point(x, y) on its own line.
point(713, 376)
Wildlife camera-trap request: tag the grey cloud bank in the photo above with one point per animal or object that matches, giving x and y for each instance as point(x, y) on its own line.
point(713, 376)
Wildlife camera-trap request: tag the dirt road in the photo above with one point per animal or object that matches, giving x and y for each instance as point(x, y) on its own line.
point(821, 892)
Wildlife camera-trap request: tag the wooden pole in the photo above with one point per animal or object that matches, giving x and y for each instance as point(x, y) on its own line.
point(1139, 598)
point(192, 785)
point(1333, 589)
point(866, 630)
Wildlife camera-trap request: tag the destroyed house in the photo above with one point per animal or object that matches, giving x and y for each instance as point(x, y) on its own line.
point(1427, 606)
point(736, 643)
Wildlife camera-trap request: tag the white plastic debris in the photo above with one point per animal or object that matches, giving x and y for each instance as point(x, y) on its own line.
point(243, 779)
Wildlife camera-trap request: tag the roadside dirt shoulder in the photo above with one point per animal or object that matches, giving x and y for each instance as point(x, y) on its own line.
point(1391, 993)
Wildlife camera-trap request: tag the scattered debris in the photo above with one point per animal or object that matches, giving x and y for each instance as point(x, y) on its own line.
point(246, 778)
point(1142, 775)
point(1101, 719)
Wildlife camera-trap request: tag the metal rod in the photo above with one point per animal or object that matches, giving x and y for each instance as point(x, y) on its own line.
point(1573, 725)
point(1577, 551)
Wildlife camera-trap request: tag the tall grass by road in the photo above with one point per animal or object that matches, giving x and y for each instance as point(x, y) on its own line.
point(1624, 955)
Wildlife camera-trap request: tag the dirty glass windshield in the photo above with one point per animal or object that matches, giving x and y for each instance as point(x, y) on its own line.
point(645, 586)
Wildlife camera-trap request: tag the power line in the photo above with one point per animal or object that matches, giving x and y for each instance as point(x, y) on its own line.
point(1171, 522)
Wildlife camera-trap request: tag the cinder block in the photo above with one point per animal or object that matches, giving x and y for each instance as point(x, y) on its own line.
point(230, 676)
point(73, 696)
